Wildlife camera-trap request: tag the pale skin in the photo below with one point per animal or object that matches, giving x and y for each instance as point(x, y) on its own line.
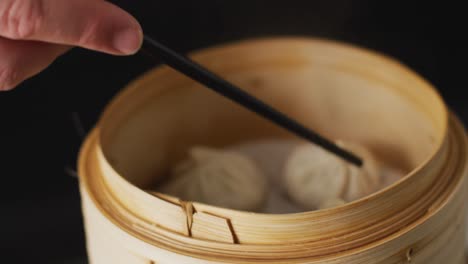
point(33, 33)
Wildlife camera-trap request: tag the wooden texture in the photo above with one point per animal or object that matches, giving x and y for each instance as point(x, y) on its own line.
point(341, 91)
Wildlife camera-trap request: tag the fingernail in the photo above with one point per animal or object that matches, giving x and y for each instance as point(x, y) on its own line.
point(128, 41)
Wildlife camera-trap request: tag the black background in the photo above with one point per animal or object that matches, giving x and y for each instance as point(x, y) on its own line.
point(40, 217)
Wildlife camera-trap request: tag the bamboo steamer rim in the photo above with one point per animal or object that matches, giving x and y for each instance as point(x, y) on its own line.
point(199, 55)
point(94, 142)
point(203, 53)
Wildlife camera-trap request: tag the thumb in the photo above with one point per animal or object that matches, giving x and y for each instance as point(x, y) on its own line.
point(91, 24)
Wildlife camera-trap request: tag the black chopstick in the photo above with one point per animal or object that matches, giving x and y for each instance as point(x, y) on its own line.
point(200, 74)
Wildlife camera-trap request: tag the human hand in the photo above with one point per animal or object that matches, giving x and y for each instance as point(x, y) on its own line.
point(33, 33)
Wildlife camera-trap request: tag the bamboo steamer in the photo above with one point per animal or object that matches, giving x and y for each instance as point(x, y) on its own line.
point(341, 91)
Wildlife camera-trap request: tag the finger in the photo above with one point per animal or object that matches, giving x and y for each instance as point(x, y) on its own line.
point(92, 24)
point(21, 60)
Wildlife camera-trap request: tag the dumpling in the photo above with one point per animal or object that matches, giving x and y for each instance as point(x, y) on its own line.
point(313, 176)
point(361, 181)
point(220, 178)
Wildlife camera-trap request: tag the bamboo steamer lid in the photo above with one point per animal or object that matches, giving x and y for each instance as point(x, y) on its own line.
point(341, 91)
